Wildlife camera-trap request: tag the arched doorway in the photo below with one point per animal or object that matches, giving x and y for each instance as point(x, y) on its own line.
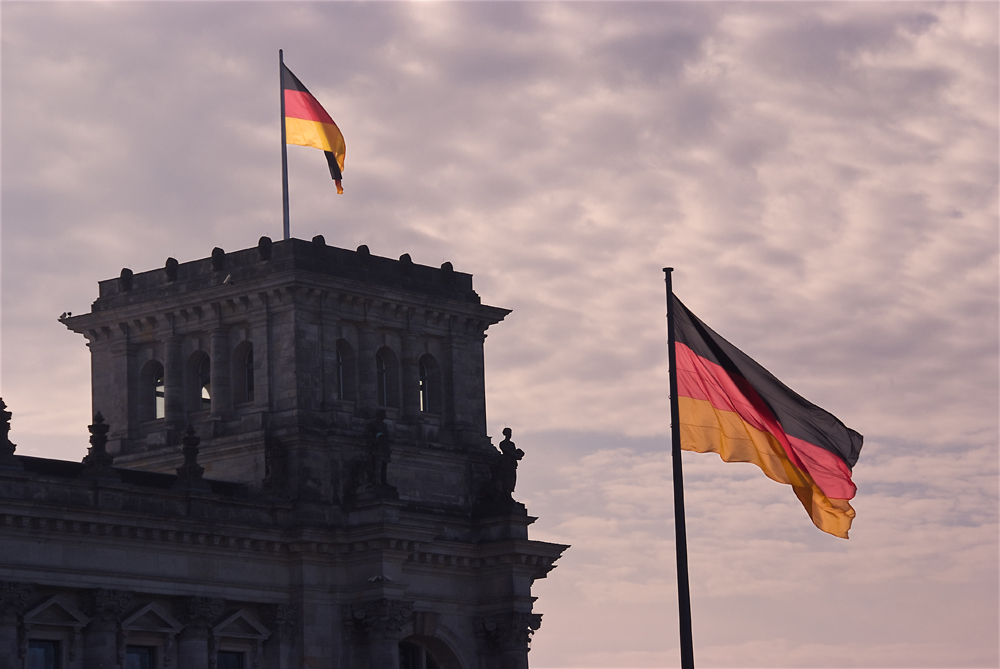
point(422, 651)
point(415, 656)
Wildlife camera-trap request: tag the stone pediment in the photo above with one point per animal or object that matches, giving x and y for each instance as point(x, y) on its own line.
point(56, 611)
point(152, 618)
point(241, 625)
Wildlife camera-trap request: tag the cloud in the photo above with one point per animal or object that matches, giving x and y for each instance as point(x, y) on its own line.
point(823, 177)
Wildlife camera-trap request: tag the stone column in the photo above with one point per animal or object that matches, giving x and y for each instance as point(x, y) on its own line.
point(14, 598)
point(381, 624)
point(119, 371)
point(173, 382)
point(100, 638)
point(222, 387)
point(367, 385)
point(411, 376)
point(198, 614)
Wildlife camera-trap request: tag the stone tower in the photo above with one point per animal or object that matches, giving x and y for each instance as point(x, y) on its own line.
point(302, 430)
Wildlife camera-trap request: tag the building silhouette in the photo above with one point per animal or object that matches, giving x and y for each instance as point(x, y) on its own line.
point(289, 467)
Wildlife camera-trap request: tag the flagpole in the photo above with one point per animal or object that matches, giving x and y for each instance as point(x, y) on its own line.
point(284, 145)
point(680, 529)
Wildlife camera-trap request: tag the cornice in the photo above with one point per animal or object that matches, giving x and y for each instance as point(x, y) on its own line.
point(229, 305)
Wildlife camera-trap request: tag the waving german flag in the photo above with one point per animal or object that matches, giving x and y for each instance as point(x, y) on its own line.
point(308, 124)
point(730, 405)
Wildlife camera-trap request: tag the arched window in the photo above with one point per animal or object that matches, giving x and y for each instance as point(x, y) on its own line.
point(345, 375)
point(430, 385)
point(198, 382)
point(205, 383)
point(243, 373)
point(412, 656)
point(386, 378)
point(152, 401)
point(159, 395)
point(380, 380)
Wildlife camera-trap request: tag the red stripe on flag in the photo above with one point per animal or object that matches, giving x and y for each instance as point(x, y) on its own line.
point(702, 379)
point(305, 106)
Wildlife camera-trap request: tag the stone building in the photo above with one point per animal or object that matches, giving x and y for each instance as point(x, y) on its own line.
point(289, 467)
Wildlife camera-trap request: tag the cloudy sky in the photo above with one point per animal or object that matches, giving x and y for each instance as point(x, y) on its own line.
point(823, 177)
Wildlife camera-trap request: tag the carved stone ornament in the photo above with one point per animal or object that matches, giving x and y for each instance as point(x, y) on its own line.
point(198, 613)
point(171, 267)
point(264, 248)
point(14, 598)
point(281, 618)
point(380, 618)
point(105, 606)
point(508, 631)
point(97, 462)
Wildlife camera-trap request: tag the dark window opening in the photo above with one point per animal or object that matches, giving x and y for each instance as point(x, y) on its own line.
point(248, 375)
point(140, 657)
point(43, 655)
point(228, 659)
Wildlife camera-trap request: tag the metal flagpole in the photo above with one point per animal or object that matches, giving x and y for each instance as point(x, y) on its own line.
point(680, 529)
point(284, 145)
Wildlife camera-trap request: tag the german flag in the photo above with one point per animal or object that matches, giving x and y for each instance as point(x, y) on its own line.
point(308, 124)
point(730, 405)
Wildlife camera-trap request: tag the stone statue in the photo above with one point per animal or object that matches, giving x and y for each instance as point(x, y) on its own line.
point(507, 467)
point(7, 448)
point(377, 451)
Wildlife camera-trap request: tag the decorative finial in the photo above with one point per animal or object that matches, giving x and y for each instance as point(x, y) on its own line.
point(7, 459)
point(98, 462)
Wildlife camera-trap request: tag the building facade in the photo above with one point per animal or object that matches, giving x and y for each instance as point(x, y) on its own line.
point(289, 467)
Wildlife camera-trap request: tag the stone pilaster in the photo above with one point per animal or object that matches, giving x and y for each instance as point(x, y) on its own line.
point(198, 614)
point(14, 598)
point(282, 620)
point(101, 638)
point(367, 383)
point(454, 370)
point(411, 377)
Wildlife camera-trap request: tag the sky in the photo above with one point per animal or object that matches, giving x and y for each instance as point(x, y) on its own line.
point(822, 176)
